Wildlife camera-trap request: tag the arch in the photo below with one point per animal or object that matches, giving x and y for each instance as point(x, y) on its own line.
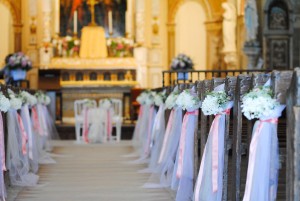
point(15, 15)
point(177, 3)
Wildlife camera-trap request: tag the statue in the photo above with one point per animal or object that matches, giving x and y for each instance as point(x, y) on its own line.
point(229, 27)
point(251, 20)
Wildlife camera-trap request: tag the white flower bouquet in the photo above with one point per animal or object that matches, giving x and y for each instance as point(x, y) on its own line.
point(171, 100)
point(27, 98)
point(259, 103)
point(159, 98)
point(42, 98)
point(188, 100)
point(4, 103)
point(214, 103)
point(15, 101)
point(146, 98)
point(106, 103)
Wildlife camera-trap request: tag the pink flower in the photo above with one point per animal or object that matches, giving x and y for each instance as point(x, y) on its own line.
point(120, 46)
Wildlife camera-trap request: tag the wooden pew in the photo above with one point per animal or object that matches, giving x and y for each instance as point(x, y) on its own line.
point(243, 84)
point(293, 139)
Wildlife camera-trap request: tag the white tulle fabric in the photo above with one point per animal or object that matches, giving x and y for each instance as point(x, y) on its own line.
point(264, 158)
point(204, 185)
point(31, 143)
point(42, 135)
point(185, 181)
point(2, 160)
point(97, 131)
point(162, 177)
point(17, 163)
point(156, 139)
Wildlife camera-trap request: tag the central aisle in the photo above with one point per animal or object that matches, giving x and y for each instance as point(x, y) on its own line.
point(92, 173)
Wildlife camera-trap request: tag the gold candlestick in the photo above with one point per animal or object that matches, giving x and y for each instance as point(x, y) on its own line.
point(92, 4)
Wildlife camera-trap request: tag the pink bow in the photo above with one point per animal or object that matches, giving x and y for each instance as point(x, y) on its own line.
point(36, 123)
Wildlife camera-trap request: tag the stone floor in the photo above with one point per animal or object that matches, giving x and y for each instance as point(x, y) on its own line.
point(91, 172)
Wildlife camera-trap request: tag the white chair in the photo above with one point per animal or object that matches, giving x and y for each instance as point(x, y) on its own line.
point(117, 117)
point(78, 112)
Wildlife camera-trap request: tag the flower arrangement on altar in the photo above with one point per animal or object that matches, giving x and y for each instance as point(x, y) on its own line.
point(67, 46)
point(188, 100)
point(171, 100)
point(182, 62)
point(4, 103)
point(259, 102)
point(159, 98)
point(15, 100)
point(214, 103)
point(119, 47)
point(42, 98)
point(146, 98)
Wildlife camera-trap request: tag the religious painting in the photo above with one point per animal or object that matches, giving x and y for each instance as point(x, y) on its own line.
point(102, 8)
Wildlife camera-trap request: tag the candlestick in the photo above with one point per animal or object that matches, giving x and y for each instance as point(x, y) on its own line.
point(75, 21)
point(110, 22)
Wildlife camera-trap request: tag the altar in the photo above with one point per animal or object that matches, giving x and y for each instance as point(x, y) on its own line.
point(79, 78)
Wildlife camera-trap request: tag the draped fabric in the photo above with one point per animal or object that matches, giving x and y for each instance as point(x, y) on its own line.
point(183, 174)
point(262, 173)
point(157, 135)
point(209, 183)
point(2, 159)
point(17, 161)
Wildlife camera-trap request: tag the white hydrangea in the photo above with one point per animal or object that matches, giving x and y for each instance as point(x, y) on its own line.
point(15, 103)
point(150, 98)
point(42, 98)
point(159, 98)
point(27, 98)
point(171, 100)
point(188, 101)
point(214, 103)
point(4, 103)
point(106, 103)
point(258, 103)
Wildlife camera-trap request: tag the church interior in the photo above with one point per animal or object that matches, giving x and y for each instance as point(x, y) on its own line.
point(92, 51)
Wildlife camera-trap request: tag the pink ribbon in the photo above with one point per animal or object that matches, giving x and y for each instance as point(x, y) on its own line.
point(141, 111)
point(24, 134)
point(26, 116)
point(2, 148)
point(215, 149)
point(167, 134)
point(85, 125)
point(36, 123)
point(147, 147)
point(215, 156)
point(182, 142)
point(109, 124)
point(252, 156)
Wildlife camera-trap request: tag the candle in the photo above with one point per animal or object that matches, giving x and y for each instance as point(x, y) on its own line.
point(32, 8)
point(110, 22)
point(57, 11)
point(75, 21)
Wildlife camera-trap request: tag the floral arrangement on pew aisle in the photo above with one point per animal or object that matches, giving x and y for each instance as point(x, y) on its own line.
point(214, 103)
point(171, 100)
point(188, 100)
point(258, 103)
point(4, 103)
point(15, 100)
point(146, 98)
point(264, 149)
point(159, 98)
point(42, 98)
point(28, 98)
